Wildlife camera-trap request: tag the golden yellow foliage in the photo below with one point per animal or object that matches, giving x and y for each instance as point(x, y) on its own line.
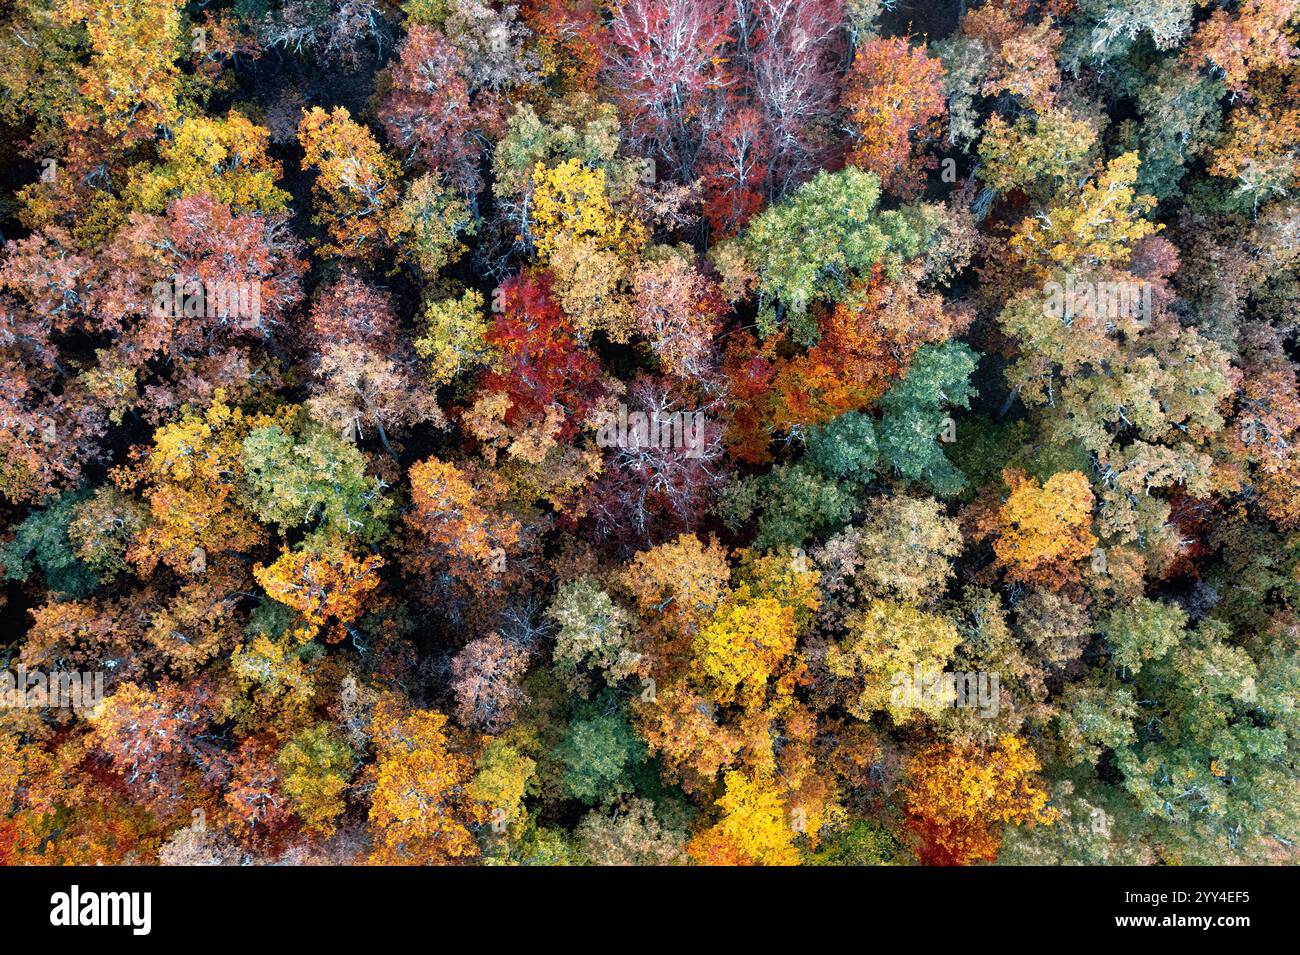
point(419, 805)
point(191, 475)
point(1044, 529)
point(958, 799)
point(743, 648)
point(321, 587)
point(356, 188)
point(755, 828)
point(886, 640)
point(1095, 228)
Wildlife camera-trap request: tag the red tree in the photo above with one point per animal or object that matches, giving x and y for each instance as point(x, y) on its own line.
point(734, 164)
point(542, 365)
point(797, 44)
point(427, 115)
point(663, 485)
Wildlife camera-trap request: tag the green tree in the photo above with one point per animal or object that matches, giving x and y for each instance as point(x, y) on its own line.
point(810, 247)
point(305, 478)
point(41, 545)
point(599, 751)
point(789, 504)
point(1143, 630)
point(844, 449)
point(316, 766)
point(916, 420)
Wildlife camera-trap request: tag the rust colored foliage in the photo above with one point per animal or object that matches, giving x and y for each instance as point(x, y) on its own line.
point(586, 432)
point(541, 364)
point(896, 102)
point(959, 800)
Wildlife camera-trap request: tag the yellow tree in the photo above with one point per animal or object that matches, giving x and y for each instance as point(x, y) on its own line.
point(1096, 227)
point(1044, 529)
point(501, 781)
point(273, 687)
point(1042, 153)
point(191, 477)
point(322, 587)
point(677, 585)
point(723, 663)
point(888, 641)
point(225, 158)
point(571, 199)
point(958, 800)
point(315, 766)
point(131, 80)
point(420, 804)
point(356, 185)
point(755, 828)
point(586, 244)
point(747, 644)
point(454, 336)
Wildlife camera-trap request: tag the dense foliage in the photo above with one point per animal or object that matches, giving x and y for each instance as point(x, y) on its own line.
point(650, 431)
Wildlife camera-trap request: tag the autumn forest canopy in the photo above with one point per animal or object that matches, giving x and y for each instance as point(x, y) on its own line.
point(607, 432)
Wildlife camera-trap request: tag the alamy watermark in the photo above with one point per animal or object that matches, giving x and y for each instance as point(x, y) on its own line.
point(1105, 301)
point(638, 430)
point(181, 298)
point(935, 690)
point(133, 910)
point(21, 688)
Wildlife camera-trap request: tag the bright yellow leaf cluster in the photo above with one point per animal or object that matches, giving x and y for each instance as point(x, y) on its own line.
point(1095, 228)
point(321, 587)
point(1044, 527)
